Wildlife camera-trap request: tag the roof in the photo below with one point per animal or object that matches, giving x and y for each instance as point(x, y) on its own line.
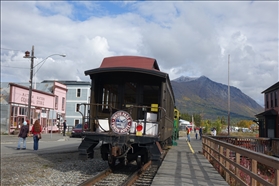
point(33, 90)
point(69, 82)
point(45, 87)
point(130, 61)
point(271, 112)
point(272, 88)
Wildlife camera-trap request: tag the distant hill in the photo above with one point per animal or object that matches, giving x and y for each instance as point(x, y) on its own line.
point(210, 99)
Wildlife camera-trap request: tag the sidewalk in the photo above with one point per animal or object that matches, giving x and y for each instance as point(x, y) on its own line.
point(185, 165)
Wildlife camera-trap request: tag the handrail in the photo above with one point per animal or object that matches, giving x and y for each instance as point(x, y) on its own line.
point(245, 166)
point(111, 109)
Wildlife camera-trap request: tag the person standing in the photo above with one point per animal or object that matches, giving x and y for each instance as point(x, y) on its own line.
point(200, 131)
point(188, 134)
point(36, 130)
point(24, 130)
point(214, 131)
point(64, 127)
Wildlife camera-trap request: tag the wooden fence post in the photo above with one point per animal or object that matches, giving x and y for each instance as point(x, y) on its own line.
point(221, 151)
point(227, 165)
point(254, 170)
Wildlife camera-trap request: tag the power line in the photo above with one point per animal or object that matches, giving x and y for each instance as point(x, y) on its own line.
point(14, 67)
point(10, 49)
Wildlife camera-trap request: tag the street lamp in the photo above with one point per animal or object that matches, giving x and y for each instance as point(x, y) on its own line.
point(43, 61)
point(27, 55)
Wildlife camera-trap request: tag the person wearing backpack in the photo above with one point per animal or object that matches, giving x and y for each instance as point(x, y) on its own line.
point(36, 131)
point(24, 130)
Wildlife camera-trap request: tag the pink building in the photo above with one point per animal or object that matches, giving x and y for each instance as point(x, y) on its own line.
point(46, 107)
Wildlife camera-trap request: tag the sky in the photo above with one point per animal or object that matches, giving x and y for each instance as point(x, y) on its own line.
point(230, 42)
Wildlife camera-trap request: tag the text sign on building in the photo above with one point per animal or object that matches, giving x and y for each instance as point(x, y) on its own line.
point(21, 96)
point(43, 115)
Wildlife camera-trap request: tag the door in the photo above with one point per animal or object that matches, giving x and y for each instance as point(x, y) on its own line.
point(270, 127)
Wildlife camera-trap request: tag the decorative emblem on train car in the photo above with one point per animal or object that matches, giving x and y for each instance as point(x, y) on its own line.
point(121, 122)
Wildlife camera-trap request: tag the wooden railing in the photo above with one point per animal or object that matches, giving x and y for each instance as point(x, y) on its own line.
point(243, 164)
point(268, 146)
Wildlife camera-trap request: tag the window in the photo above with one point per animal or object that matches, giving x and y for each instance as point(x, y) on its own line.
point(56, 102)
point(266, 101)
point(78, 92)
point(14, 111)
point(271, 99)
point(63, 103)
point(109, 96)
point(130, 94)
point(22, 111)
point(76, 122)
point(275, 99)
point(150, 94)
point(77, 107)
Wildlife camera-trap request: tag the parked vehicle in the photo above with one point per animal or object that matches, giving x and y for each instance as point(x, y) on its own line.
point(77, 130)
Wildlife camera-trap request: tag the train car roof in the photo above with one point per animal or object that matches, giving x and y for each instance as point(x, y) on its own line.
point(128, 63)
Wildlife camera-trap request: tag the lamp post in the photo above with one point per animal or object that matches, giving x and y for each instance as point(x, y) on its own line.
point(27, 55)
point(229, 101)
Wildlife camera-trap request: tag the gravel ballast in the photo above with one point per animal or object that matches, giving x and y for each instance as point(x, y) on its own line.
point(61, 169)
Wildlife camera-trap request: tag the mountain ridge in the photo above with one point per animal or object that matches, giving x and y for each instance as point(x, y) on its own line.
point(203, 96)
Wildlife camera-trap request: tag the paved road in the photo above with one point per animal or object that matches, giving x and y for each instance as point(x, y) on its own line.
point(48, 144)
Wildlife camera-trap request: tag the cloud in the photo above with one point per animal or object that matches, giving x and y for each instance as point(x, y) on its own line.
point(187, 38)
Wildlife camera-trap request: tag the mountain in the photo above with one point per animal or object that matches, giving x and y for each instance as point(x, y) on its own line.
point(210, 99)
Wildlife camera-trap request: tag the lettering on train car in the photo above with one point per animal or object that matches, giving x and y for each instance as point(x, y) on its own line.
point(121, 122)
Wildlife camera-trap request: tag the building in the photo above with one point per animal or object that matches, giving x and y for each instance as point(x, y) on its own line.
point(183, 124)
point(269, 119)
point(78, 92)
point(47, 104)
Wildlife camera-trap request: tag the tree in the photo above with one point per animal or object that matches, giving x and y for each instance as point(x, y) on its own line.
point(188, 117)
point(244, 123)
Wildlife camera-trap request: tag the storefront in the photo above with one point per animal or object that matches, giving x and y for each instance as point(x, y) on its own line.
point(44, 106)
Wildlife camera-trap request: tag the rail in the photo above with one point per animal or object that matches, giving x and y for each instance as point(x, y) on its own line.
point(240, 163)
point(268, 146)
point(108, 110)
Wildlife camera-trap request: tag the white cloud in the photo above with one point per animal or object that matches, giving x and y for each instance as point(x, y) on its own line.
point(186, 38)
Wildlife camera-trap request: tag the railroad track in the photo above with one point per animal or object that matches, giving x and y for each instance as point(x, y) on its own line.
point(117, 177)
point(129, 175)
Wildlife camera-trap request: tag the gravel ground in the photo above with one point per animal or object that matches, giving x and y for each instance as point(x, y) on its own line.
point(64, 169)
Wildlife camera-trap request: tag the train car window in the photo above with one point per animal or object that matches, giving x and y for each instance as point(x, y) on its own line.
point(150, 94)
point(110, 96)
point(130, 94)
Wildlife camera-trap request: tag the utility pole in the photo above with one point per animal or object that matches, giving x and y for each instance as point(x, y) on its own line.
point(229, 95)
point(27, 55)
